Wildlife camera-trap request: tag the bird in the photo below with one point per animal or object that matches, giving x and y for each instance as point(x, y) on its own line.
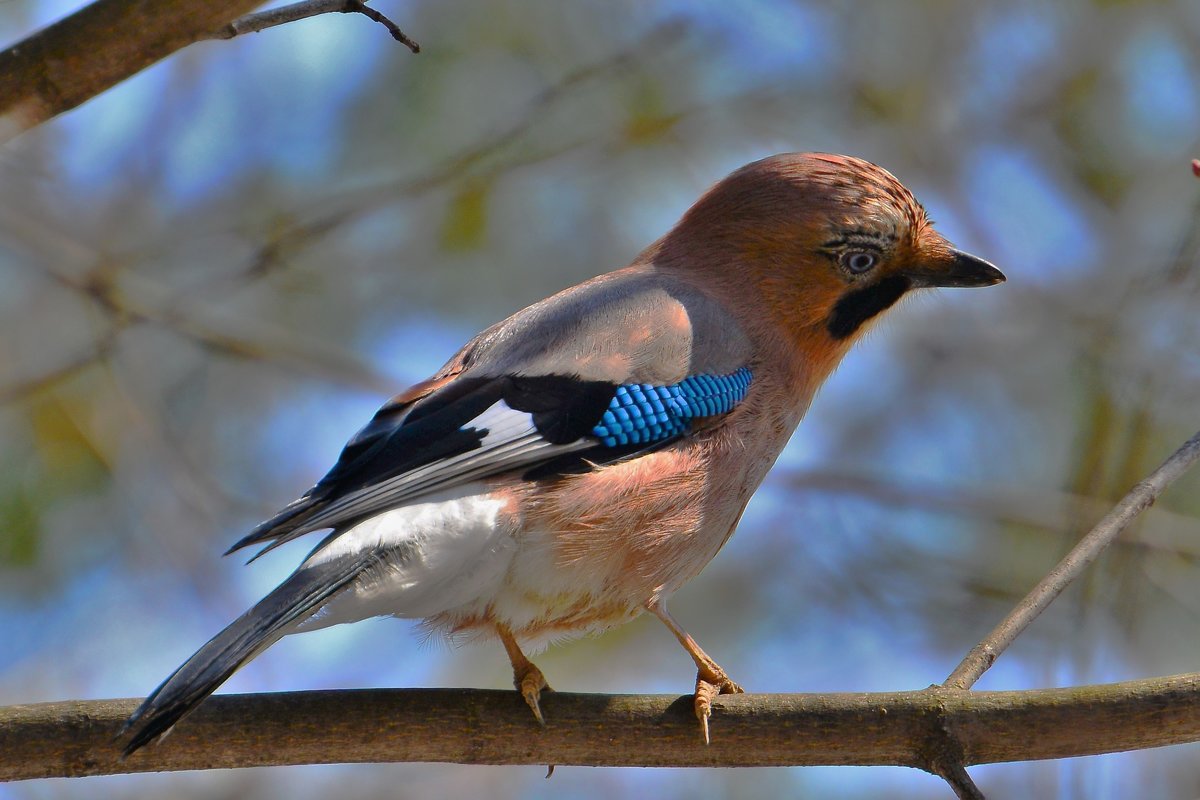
point(574, 465)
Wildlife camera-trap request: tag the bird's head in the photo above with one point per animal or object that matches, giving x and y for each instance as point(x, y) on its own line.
point(820, 242)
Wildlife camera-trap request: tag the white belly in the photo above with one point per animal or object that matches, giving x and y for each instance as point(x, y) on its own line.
point(448, 552)
point(455, 558)
point(545, 600)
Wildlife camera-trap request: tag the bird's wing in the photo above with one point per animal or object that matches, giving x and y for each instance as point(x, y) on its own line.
point(615, 366)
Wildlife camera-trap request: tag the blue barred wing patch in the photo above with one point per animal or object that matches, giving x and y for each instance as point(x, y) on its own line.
point(641, 413)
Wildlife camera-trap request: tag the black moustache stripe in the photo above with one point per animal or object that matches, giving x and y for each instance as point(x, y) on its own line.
point(860, 305)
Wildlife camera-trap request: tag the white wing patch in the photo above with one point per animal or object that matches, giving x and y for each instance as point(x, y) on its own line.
point(511, 442)
point(445, 552)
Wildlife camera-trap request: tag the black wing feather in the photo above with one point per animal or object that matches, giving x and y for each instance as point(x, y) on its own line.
point(437, 428)
point(563, 409)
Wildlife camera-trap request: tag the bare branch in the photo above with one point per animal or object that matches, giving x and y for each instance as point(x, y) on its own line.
point(96, 48)
point(76, 738)
point(260, 21)
point(964, 788)
point(1141, 497)
point(102, 44)
point(392, 27)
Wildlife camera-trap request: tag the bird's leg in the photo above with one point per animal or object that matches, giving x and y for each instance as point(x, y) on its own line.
point(711, 680)
point(526, 676)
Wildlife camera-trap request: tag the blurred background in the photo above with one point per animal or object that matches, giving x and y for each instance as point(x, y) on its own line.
point(211, 275)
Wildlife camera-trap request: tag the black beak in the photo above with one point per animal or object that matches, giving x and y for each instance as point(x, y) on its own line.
point(962, 270)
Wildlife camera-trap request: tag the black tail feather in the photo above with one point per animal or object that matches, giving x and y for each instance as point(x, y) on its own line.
point(282, 527)
point(296, 599)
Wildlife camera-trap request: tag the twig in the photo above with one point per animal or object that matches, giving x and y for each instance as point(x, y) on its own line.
point(956, 775)
point(392, 27)
point(944, 753)
point(261, 20)
point(1141, 497)
point(469, 726)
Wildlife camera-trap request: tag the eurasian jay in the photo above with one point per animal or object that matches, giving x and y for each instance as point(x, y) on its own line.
point(574, 465)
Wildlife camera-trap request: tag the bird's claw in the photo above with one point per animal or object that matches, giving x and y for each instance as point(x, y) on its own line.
point(530, 682)
point(709, 684)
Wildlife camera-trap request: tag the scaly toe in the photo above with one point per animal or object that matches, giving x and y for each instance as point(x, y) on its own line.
point(708, 686)
point(530, 685)
point(705, 692)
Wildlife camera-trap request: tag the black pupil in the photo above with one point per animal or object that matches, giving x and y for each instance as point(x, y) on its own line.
point(861, 262)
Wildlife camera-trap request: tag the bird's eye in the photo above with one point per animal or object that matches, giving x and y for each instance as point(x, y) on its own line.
point(858, 262)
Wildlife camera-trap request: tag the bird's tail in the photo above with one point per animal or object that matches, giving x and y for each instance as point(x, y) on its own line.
point(276, 615)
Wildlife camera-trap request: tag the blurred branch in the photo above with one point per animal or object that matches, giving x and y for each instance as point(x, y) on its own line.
point(1052, 511)
point(247, 339)
point(129, 299)
point(254, 340)
point(76, 738)
point(253, 23)
point(98, 351)
point(1141, 497)
point(102, 44)
point(334, 210)
point(479, 160)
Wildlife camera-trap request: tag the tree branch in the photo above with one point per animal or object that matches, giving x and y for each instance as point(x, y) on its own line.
point(102, 44)
point(260, 21)
point(96, 48)
point(956, 775)
point(1141, 497)
point(77, 738)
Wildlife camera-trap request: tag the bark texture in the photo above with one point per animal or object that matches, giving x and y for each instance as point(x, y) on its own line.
point(102, 44)
point(927, 729)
